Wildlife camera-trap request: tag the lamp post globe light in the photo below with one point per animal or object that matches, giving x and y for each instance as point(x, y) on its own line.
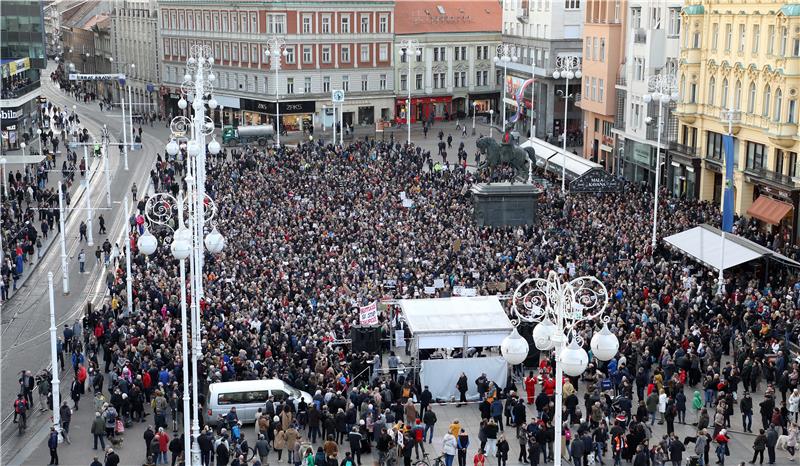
point(662, 89)
point(567, 67)
point(409, 48)
point(560, 308)
point(505, 54)
point(276, 49)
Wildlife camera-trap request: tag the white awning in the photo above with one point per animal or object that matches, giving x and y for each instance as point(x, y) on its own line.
point(12, 159)
point(553, 157)
point(454, 322)
point(704, 244)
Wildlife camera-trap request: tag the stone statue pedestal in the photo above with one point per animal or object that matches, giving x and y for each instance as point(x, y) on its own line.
point(505, 204)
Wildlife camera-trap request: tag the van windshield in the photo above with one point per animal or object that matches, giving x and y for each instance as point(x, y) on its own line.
point(292, 391)
point(233, 398)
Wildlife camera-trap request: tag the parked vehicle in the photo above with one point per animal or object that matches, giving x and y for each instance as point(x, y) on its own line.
point(260, 134)
point(247, 396)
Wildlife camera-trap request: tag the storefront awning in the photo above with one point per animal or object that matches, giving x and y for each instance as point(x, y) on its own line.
point(769, 210)
point(554, 157)
point(14, 159)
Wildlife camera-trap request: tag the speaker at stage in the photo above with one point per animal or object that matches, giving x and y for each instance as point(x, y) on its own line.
point(366, 339)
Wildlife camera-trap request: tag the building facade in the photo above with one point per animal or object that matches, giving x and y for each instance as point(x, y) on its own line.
point(603, 53)
point(22, 59)
point(135, 40)
point(539, 31)
point(455, 67)
point(330, 45)
point(744, 57)
point(652, 46)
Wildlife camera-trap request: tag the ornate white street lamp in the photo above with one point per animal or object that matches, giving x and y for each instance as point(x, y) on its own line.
point(505, 54)
point(409, 48)
point(276, 49)
point(567, 67)
point(558, 308)
point(662, 90)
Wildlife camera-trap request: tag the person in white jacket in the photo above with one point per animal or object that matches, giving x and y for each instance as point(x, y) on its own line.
point(449, 448)
point(662, 406)
point(794, 403)
point(791, 441)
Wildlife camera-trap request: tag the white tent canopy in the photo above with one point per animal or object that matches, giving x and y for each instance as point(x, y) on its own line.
point(704, 244)
point(552, 157)
point(456, 322)
point(16, 159)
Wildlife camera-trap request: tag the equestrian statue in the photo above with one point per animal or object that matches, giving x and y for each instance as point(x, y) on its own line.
point(505, 153)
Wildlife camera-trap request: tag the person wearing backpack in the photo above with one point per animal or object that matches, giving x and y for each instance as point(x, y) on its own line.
point(462, 443)
point(348, 460)
point(417, 434)
point(52, 444)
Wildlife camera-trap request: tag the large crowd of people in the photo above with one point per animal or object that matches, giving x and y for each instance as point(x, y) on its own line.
point(314, 231)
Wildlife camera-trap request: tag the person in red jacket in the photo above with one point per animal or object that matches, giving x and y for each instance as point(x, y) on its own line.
point(163, 446)
point(549, 386)
point(530, 387)
point(722, 446)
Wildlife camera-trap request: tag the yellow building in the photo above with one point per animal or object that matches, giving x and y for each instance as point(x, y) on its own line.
point(745, 57)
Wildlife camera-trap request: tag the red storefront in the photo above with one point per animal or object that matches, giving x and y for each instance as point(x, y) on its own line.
point(422, 108)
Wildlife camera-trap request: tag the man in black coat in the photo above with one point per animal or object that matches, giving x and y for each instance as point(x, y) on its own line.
point(425, 399)
point(148, 437)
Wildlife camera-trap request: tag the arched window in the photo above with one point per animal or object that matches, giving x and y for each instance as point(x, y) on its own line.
point(712, 90)
point(723, 102)
point(778, 104)
point(751, 98)
point(737, 96)
point(765, 103)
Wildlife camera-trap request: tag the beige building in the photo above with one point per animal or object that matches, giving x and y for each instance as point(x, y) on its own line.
point(743, 56)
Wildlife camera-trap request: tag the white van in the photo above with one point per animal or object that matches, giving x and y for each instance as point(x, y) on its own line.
point(247, 396)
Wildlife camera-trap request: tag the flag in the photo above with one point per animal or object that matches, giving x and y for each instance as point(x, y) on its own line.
point(368, 315)
point(727, 202)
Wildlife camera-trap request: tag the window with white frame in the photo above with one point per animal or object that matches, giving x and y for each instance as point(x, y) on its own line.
point(364, 52)
point(326, 84)
point(290, 85)
point(290, 55)
point(587, 87)
point(714, 35)
point(383, 52)
point(594, 89)
point(728, 37)
point(345, 54)
point(770, 39)
point(364, 24)
point(216, 49)
point(254, 54)
point(225, 22)
point(638, 68)
point(364, 83)
point(756, 38)
point(306, 54)
point(326, 54)
point(594, 48)
point(345, 24)
point(383, 23)
point(345, 83)
point(712, 90)
point(751, 98)
point(235, 52)
point(307, 29)
point(587, 54)
point(253, 22)
point(784, 40)
point(190, 20)
point(403, 82)
point(742, 38)
point(245, 53)
point(181, 20)
point(636, 17)
point(307, 85)
point(243, 22)
point(326, 24)
point(225, 52)
point(572, 4)
point(418, 83)
point(382, 82)
point(600, 90)
point(602, 54)
point(276, 24)
point(674, 26)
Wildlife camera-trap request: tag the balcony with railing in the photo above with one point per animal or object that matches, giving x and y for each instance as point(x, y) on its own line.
point(771, 177)
point(523, 12)
point(687, 151)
